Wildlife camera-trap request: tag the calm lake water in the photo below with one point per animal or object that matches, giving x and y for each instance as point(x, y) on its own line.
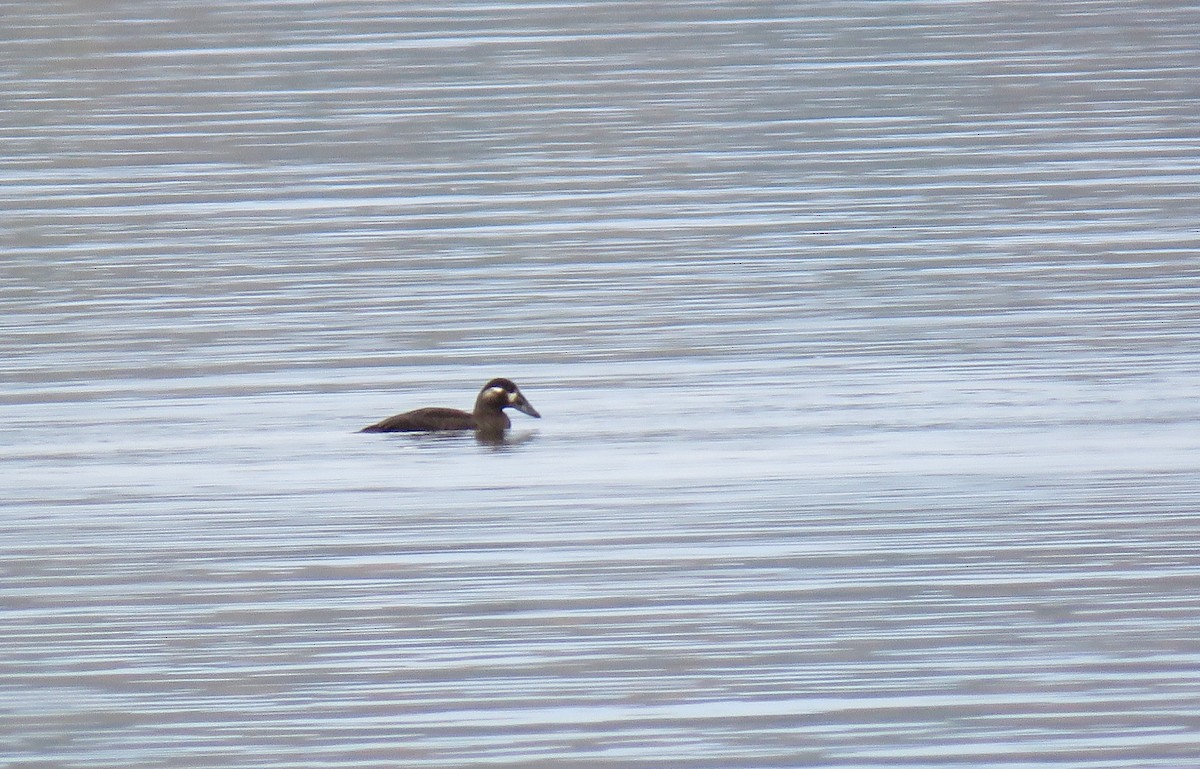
point(865, 336)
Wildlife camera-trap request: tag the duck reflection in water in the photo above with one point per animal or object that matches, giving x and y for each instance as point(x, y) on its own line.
point(487, 419)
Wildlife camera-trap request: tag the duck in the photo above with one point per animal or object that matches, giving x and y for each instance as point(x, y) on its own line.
point(487, 418)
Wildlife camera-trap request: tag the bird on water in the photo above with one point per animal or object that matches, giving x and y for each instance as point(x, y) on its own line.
point(487, 418)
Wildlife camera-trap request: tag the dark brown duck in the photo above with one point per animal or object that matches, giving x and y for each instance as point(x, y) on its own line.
point(488, 417)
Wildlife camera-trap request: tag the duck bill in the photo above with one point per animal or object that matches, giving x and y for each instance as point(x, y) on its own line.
point(520, 404)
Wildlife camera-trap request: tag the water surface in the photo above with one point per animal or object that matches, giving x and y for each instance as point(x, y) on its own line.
point(865, 338)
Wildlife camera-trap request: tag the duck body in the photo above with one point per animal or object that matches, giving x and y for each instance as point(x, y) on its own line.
point(487, 418)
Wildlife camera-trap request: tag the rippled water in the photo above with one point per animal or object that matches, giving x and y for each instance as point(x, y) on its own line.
point(865, 337)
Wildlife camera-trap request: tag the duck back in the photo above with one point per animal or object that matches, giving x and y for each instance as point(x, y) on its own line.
point(424, 420)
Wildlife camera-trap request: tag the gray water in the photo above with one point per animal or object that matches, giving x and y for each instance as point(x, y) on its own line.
point(865, 336)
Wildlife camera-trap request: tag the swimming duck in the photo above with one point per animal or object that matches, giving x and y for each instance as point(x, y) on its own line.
point(488, 418)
